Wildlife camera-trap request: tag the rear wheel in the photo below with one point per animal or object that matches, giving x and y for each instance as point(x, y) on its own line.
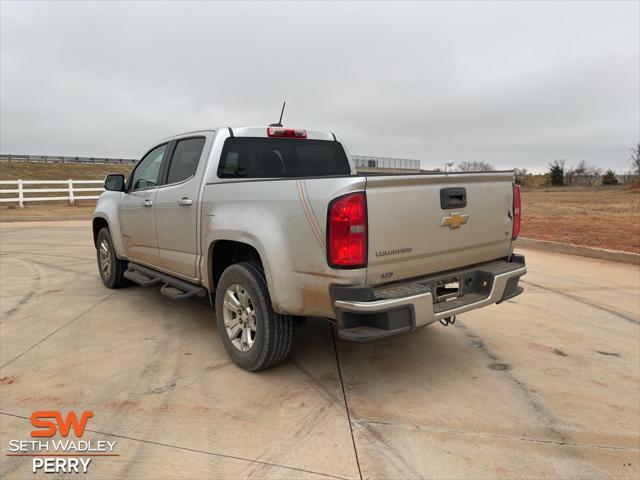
point(254, 336)
point(111, 268)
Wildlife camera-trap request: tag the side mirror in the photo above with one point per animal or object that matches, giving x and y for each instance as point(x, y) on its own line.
point(114, 182)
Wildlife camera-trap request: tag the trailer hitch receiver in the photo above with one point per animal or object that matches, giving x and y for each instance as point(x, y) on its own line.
point(448, 320)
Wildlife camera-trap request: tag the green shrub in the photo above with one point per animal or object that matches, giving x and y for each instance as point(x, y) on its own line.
point(609, 178)
point(556, 173)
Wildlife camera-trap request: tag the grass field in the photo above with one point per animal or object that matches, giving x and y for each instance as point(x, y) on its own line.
point(58, 171)
point(605, 217)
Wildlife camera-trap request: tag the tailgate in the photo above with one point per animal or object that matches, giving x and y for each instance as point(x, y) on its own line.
point(410, 234)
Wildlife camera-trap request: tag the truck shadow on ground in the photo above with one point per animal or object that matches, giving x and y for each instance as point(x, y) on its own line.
point(434, 353)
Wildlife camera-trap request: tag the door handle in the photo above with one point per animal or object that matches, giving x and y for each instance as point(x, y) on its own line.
point(185, 202)
point(147, 203)
point(453, 198)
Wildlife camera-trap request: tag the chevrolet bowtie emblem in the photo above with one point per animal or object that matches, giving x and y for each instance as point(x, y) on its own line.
point(454, 220)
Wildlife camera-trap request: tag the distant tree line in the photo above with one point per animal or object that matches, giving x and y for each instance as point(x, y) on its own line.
point(583, 174)
point(475, 167)
point(635, 160)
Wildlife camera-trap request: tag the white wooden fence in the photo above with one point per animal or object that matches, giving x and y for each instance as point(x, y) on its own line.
point(68, 187)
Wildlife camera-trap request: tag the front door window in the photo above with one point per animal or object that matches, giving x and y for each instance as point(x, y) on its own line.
point(147, 173)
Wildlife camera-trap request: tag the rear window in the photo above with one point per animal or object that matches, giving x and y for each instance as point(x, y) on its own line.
point(248, 157)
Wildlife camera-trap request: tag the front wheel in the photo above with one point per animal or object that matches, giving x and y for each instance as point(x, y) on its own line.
point(111, 268)
point(254, 336)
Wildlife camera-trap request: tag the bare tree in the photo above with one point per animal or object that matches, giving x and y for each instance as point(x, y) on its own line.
point(521, 174)
point(635, 160)
point(583, 174)
point(592, 176)
point(475, 167)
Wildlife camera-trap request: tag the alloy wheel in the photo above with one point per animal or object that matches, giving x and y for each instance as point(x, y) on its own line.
point(239, 317)
point(105, 258)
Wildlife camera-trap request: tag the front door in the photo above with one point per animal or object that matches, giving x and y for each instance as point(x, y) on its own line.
point(137, 216)
point(177, 209)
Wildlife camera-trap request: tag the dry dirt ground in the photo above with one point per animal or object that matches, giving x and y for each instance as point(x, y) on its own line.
point(47, 210)
point(604, 217)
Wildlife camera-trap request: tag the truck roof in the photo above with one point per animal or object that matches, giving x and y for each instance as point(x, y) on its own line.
point(256, 131)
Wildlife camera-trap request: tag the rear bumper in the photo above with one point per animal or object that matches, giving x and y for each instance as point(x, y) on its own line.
point(366, 313)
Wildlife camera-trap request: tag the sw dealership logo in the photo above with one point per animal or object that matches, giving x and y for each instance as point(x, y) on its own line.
point(65, 455)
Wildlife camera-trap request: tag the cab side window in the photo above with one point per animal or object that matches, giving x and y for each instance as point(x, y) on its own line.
point(147, 173)
point(185, 159)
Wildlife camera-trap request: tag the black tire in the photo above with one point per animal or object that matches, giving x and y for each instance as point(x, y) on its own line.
point(115, 276)
point(274, 333)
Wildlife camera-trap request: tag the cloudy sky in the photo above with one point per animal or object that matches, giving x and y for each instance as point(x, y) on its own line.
point(512, 83)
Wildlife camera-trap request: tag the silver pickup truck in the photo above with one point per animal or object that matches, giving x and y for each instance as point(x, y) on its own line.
point(274, 224)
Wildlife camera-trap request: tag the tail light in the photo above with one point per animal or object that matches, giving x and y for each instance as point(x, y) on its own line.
point(517, 212)
point(347, 231)
point(286, 132)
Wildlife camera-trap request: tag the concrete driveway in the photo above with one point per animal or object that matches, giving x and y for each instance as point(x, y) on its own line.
point(546, 385)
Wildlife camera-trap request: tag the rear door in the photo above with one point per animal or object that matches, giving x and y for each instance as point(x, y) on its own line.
point(422, 224)
point(137, 220)
point(177, 208)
